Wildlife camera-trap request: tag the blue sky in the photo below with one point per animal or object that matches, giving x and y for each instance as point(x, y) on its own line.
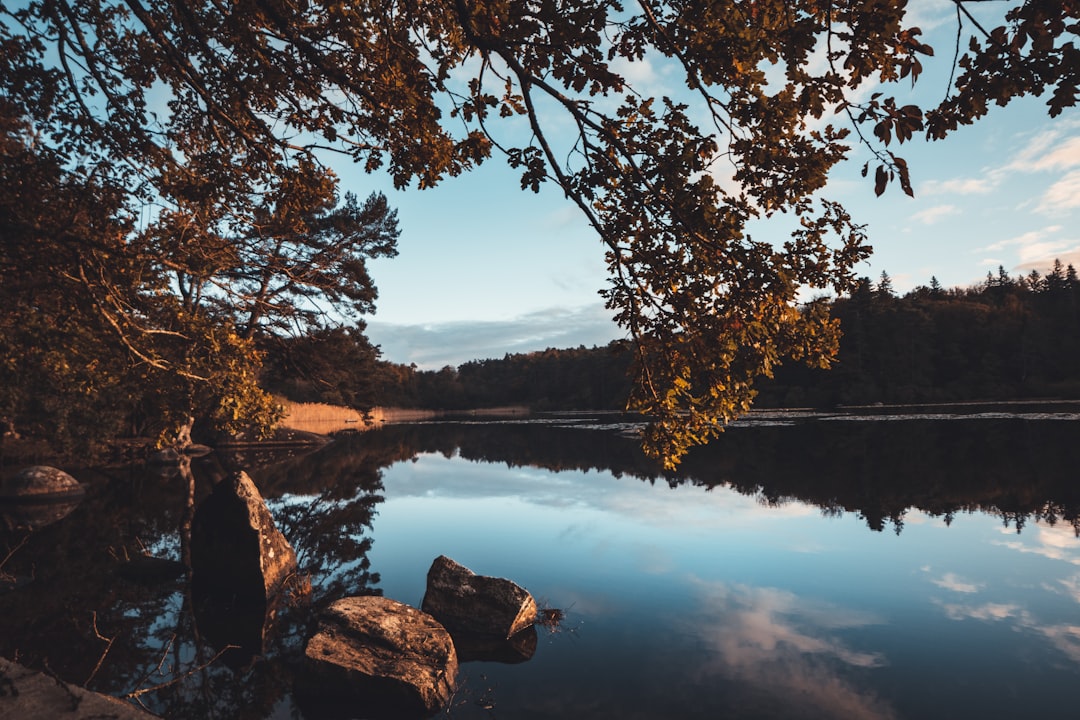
point(485, 269)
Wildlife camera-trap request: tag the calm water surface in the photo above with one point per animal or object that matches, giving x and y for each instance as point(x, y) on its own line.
point(801, 567)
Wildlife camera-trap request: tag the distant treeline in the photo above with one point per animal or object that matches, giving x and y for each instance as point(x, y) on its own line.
point(1007, 337)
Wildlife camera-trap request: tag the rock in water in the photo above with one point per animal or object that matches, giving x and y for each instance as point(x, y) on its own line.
point(239, 563)
point(464, 601)
point(41, 483)
point(377, 657)
point(38, 496)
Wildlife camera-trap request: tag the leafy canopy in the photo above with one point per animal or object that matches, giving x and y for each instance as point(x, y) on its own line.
point(217, 106)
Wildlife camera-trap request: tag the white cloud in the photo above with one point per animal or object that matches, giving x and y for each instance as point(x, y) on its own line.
point(1035, 248)
point(638, 73)
point(1053, 150)
point(567, 216)
point(1062, 195)
point(436, 345)
point(959, 186)
point(1044, 152)
point(931, 215)
point(930, 14)
point(1045, 264)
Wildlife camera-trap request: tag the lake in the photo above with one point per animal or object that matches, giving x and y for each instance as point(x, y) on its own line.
point(900, 564)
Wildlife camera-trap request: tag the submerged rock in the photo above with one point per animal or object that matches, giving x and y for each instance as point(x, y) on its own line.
point(466, 602)
point(239, 562)
point(475, 647)
point(377, 657)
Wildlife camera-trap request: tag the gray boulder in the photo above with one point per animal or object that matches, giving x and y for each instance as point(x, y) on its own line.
point(466, 602)
point(377, 657)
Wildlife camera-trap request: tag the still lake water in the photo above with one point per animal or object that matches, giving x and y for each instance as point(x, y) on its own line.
point(892, 566)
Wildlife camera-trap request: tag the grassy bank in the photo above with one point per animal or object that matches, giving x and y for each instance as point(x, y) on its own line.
point(324, 419)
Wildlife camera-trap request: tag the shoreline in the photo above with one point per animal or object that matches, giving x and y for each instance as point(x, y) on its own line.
point(323, 419)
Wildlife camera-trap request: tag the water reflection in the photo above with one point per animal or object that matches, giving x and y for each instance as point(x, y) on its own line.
point(788, 649)
point(1020, 470)
point(34, 515)
point(746, 584)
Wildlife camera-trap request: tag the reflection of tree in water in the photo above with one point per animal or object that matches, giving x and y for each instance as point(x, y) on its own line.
point(89, 616)
point(325, 509)
point(1019, 470)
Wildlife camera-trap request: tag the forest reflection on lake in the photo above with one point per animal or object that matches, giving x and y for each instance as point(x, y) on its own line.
point(800, 567)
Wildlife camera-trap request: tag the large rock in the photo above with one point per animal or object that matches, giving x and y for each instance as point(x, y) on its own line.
point(377, 657)
point(464, 601)
point(38, 496)
point(239, 564)
point(41, 483)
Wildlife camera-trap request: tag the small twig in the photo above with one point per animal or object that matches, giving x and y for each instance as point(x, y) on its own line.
point(108, 646)
point(961, 8)
point(10, 553)
point(142, 691)
point(161, 662)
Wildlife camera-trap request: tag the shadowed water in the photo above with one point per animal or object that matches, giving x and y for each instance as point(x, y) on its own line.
point(802, 566)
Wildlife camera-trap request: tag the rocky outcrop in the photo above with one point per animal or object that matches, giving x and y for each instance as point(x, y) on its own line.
point(239, 563)
point(376, 657)
point(466, 602)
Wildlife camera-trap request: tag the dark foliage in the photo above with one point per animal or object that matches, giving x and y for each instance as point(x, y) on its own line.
point(1005, 338)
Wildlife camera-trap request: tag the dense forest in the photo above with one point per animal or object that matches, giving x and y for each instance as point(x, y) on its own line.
point(1007, 337)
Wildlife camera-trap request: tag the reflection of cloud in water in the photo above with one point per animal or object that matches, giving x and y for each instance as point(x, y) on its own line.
point(1056, 542)
point(952, 581)
point(654, 561)
point(1071, 585)
point(1053, 542)
point(773, 639)
point(432, 475)
point(1065, 638)
point(991, 612)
